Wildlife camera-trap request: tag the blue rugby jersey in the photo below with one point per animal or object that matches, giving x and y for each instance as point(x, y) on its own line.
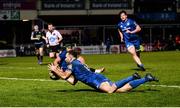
point(63, 63)
point(85, 75)
point(130, 25)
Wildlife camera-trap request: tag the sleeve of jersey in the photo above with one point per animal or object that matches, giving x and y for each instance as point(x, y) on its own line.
point(76, 69)
point(62, 55)
point(59, 34)
point(134, 23)
point(118, 27)
point(32, 34)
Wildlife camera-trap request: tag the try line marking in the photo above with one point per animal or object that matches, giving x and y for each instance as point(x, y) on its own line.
point(23, 79)
point(165, 86)
point(11, 67)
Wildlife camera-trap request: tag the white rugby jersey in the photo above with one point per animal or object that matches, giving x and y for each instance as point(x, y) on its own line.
point(53, 37)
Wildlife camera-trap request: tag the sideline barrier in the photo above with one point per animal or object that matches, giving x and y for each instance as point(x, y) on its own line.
point(114, 49)
point(98, 49)
point(8, 53)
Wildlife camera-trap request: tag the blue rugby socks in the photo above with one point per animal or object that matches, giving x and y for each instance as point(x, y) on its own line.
point(122, 82)
point(136, 83)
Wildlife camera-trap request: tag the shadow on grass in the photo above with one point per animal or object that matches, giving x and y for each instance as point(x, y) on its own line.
point(145, 90)
point(91, 90)
point(79, 90)
point(138, 69)
point(3, 63)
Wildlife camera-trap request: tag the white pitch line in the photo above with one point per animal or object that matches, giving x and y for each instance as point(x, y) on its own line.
point(166, 86)
point(23, 79)
point(43, 80)
point(17, 67)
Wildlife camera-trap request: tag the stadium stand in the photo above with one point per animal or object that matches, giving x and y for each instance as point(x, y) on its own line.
point(89, 22)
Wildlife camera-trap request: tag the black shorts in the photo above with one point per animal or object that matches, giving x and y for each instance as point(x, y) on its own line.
point(39, 45)
point(54, 48)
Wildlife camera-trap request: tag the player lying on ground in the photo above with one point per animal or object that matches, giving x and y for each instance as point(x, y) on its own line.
point(98, 81)
point(60, 60)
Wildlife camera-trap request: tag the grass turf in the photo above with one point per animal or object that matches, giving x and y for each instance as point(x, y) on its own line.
point(47, 93)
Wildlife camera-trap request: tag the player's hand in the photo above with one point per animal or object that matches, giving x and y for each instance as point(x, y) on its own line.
point(52, 67)
point(47, 45)
point(127, 31)
point(57, 41)
point(122, 40)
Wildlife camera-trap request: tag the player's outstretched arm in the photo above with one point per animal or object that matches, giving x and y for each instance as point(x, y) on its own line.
point(72, 80)
point(57, 60)
point(59, 72)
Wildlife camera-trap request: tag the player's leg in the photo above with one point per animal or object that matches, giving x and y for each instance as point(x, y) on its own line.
point(135, 83)
point(51, 52)
point(97, 70)
point(102, 83)
point(92, 69)
point(124, 81)
point(82, 60)
point(138, 53)
point(37, 52)
point(110, 87)
point(107, 87)
point(138, 48)
point(41, 54)
point(57, 50)
point(132, 51)
point(54, 51)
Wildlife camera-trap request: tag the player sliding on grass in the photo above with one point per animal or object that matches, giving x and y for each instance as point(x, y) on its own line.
point(60, 61)
point(127, 29)
point(95, 80)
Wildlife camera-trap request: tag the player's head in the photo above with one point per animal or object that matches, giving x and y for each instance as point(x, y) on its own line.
point(71, 55)
point(68, 47)
point(50, 27)
point(36, 28)
point(123, 15)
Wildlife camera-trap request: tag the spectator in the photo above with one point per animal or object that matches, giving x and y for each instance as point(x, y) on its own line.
point(177, 40)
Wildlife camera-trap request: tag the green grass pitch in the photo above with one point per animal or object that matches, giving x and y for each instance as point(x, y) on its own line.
point(24, 83)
